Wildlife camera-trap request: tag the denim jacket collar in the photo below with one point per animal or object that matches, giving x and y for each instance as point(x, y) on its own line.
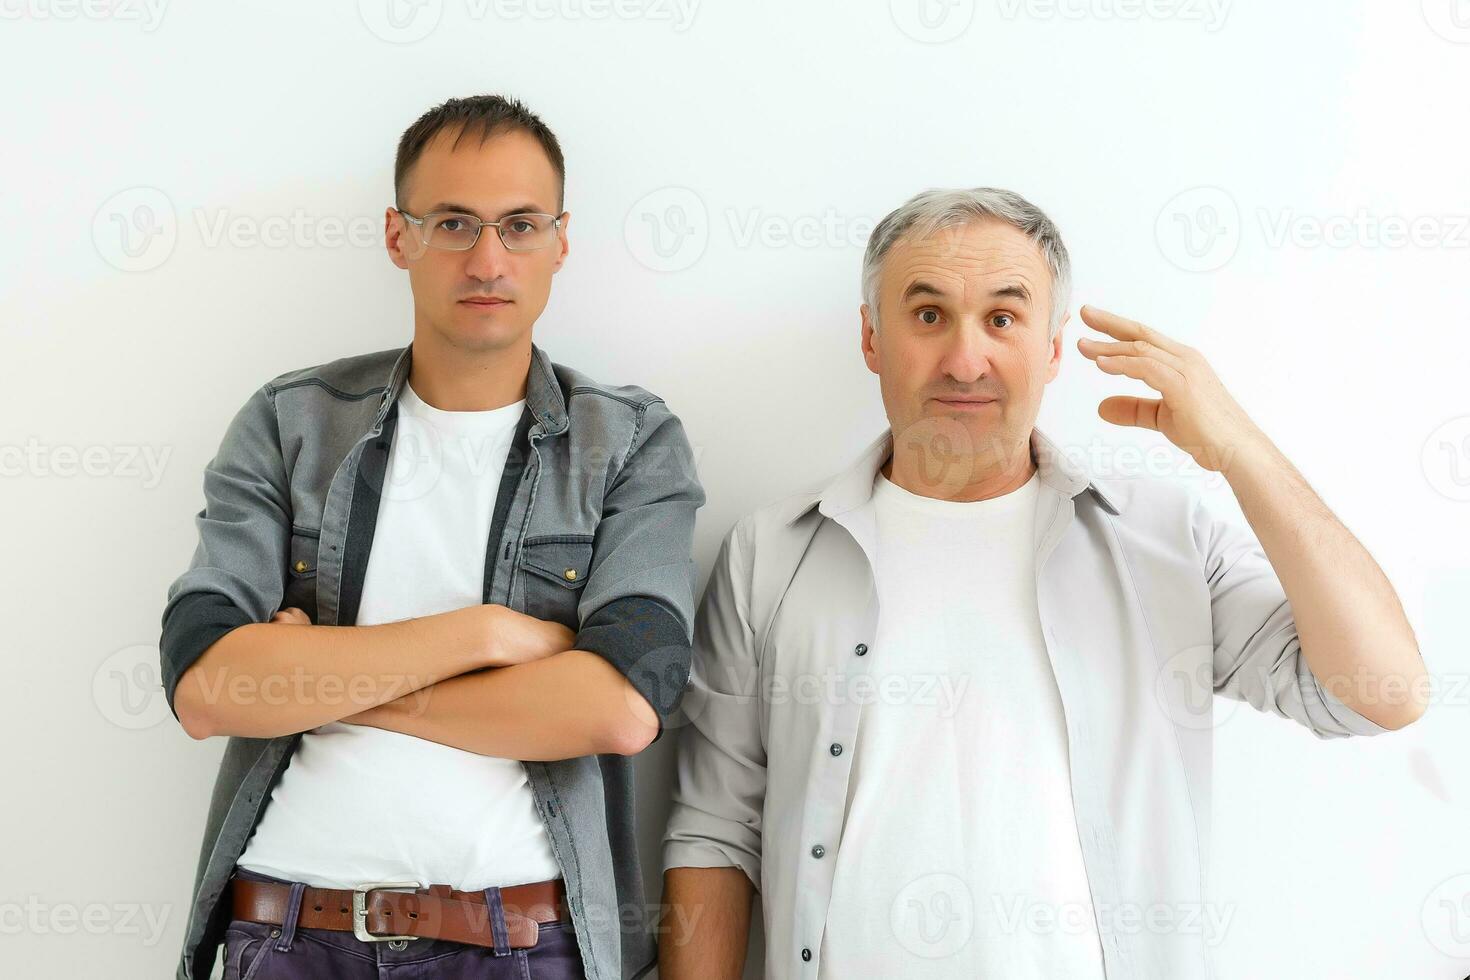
point(543, 395)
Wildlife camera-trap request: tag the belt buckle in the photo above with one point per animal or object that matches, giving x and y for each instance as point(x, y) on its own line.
point(359, 908)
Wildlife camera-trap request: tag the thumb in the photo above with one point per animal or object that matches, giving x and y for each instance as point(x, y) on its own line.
point(1128, 410)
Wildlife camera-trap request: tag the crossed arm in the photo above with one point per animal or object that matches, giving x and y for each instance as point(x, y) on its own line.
point(487, 679)
point(484, 678)
point(566, 705)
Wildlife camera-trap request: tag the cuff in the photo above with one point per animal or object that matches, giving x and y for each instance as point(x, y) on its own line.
point(190, 626)
point(648, 645)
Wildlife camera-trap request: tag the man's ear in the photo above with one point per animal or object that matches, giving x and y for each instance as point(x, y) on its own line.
point(563, 243)
point(393, 238)
point(870, 329)
point(1054, 362)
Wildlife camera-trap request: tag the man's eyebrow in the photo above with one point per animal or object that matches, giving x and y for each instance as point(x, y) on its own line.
point(921, 288)
point(466, 209)
point(1015, 290)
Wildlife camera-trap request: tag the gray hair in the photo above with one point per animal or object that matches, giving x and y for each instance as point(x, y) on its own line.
point(924, 214)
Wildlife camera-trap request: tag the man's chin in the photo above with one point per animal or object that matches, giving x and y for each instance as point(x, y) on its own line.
point(964, 430)
point(501, 327)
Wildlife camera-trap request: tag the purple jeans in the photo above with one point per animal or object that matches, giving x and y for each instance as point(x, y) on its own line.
point(259, 951)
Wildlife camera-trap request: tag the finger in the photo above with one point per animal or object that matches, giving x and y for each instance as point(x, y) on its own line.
point(1127, 410)
point(1156, 374)
point(1091, 348)
point(1123, 328)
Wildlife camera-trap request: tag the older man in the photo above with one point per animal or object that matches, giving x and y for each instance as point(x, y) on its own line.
point(1007, 772)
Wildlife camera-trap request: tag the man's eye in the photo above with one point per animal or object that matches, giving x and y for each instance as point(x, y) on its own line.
point(522, 227)
point(929, 316)
point(1003, 316)
point(451, 224)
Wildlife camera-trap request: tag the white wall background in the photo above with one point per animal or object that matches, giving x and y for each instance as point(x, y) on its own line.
point(192, 198)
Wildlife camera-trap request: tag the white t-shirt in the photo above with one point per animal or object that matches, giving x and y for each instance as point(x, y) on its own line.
point(359, 804)
point(959, 854)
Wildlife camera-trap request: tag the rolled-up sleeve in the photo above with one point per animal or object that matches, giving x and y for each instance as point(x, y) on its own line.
point(238, 572)
point(720, 787)
point(637, 609)
point(1258, 656)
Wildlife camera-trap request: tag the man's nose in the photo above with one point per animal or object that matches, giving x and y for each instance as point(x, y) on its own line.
point(489, 259)
point(967, 358)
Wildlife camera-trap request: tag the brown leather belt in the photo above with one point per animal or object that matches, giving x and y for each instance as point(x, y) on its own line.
point(378, 913)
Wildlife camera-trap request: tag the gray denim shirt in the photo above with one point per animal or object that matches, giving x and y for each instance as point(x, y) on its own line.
point(600, 481)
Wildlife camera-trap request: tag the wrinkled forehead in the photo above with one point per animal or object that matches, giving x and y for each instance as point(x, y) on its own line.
point(970, 265)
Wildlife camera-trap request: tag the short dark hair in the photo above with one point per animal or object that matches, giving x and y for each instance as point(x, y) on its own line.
point(485, 115)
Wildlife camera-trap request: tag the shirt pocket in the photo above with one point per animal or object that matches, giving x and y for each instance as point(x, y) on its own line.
point(555, 570)
point(301, 564)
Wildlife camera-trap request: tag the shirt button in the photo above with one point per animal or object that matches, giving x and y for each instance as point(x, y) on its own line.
point(861, 649)
point(818, 851)
point(301, 566)
point(836, 748)
point(806, 954)
point(570, 574)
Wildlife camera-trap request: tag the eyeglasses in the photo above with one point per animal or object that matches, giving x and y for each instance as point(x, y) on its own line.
point(459, 232)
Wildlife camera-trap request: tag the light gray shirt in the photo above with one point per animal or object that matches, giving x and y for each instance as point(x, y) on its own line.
point(1148, 606)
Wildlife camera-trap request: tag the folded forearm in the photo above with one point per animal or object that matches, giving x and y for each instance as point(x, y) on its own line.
point(564, 706)
point(268, 679)
point(706, 924)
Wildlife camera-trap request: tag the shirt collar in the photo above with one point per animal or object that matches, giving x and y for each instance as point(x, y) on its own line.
point(543, 395)
point(854, 487)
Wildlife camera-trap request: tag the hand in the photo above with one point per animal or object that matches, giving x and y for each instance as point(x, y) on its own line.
point(506, 638)
point(515, 638)
point(292, 616)
point(1196, 413)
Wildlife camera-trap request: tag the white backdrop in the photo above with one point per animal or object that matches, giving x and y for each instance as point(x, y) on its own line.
point(193, 198)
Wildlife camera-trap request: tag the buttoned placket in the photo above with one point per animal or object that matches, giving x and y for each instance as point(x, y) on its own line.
point(854, 660)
